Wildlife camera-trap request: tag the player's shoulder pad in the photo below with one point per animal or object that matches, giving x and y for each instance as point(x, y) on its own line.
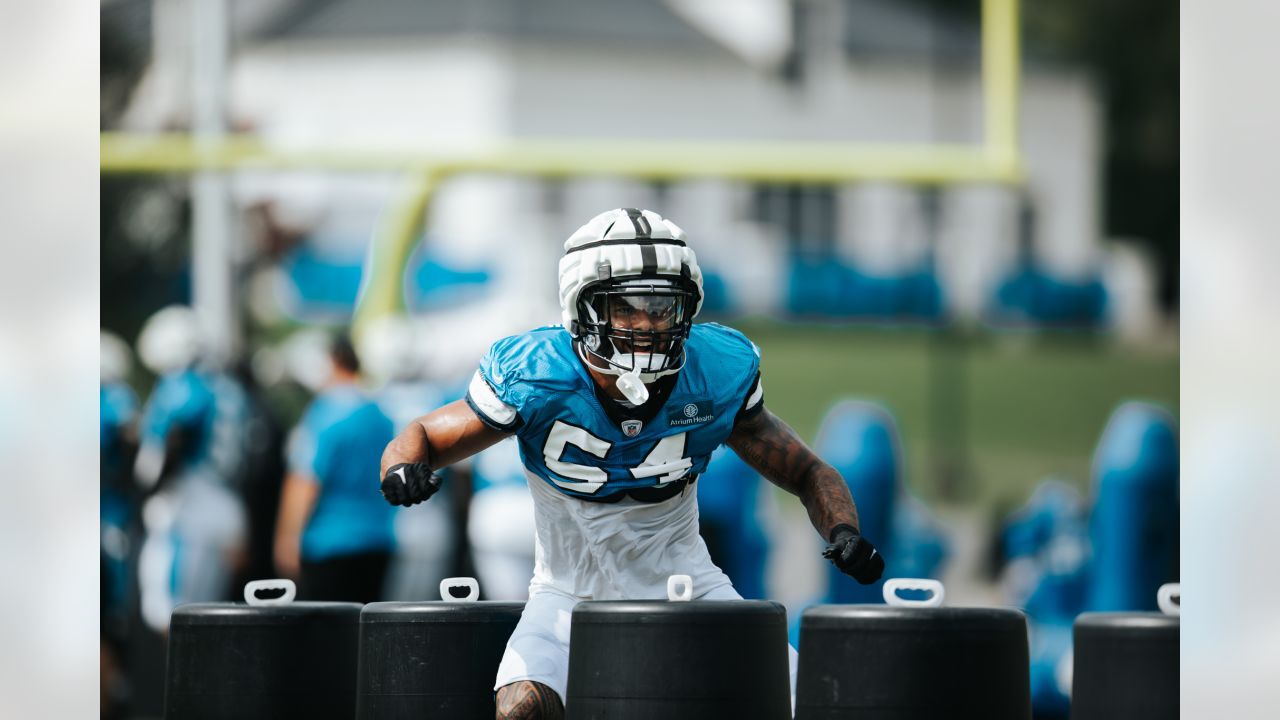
point(540, 357)
point(725, 340)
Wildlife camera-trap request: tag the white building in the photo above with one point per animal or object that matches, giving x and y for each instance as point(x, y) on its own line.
point(396, 75)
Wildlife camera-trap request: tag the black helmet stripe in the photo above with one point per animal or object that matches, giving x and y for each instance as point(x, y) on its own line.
point(626, 241)
point(641, 223)
point(650, 258)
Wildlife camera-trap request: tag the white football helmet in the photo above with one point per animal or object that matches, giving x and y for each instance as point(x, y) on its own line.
point(629, 290)
point(171, 340)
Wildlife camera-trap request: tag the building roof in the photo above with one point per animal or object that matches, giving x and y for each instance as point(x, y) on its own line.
point(873, 28)
point(649, 21)
point(897, 28)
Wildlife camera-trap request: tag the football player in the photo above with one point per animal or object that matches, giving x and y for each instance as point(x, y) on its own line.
point(616, 412)
point(192, 442)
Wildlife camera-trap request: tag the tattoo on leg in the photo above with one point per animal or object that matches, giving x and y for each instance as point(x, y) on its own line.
point(528, 700)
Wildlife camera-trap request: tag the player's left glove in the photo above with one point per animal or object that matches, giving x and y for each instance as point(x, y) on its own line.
point(854, 555)
point(409, 484)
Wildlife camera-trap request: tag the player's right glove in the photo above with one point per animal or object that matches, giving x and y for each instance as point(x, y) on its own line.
point(409, 484)
point(854, 555)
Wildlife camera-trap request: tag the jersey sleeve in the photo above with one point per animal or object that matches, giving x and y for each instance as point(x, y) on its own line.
point(496, 392)
point(754, 403)
point(492, 410)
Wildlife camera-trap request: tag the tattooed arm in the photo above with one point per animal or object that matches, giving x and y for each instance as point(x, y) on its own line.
point(433, 441)
point(776, 452)
point(441, 438)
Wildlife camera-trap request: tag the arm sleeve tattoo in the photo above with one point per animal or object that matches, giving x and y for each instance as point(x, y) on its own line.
point(775, 451)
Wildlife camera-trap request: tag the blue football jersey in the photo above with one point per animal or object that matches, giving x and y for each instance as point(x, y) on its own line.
point(211, 409)
point(586, 445)
point(183, 400)
point(338, 444)
point(118, 407)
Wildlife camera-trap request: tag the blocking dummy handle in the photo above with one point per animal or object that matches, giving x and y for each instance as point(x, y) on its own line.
point(893, 585)
point(447, 586)
point(279, 591)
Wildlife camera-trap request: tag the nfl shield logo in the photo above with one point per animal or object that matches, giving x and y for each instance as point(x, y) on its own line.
point(631, 428)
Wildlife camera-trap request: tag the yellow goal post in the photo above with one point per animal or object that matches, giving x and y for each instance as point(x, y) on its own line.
point(996, 159)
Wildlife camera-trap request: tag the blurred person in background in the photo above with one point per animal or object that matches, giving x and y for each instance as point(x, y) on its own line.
point(190, 462)
point(616, 413)
point(118, 438)
point(333, 532)
point(429, 539)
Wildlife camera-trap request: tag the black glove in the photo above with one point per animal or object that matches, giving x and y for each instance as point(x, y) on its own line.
point(854, 555)
point(409, 484)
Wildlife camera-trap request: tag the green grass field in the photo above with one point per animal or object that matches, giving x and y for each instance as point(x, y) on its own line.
point(1007, 409)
